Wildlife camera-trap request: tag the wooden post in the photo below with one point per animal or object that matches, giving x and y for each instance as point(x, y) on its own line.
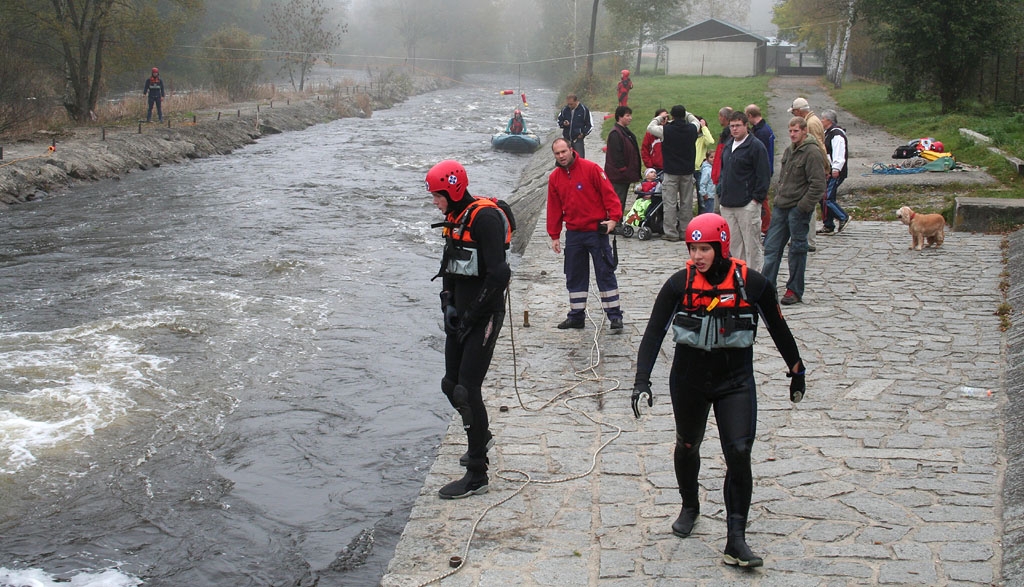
point(140, 127)
point(238, 114)
point(218, 116)
point(103, 130)
point(193, 119)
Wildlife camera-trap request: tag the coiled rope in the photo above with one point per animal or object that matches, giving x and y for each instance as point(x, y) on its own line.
point(586, 375)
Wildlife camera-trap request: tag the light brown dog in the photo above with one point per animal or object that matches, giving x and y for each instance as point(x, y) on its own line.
point(930, 227)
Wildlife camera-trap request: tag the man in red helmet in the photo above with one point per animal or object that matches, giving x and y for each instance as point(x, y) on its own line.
point(475, 274)
point(154, 88)
point(625, 85)
point(712, 306)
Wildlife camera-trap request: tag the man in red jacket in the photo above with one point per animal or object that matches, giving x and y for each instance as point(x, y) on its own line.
point(581, 197)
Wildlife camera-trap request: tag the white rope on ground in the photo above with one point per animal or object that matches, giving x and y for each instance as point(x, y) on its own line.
point(522, 476)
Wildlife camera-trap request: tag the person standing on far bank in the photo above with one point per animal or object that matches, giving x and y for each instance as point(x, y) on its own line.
point(575, 123)
point(154, 88)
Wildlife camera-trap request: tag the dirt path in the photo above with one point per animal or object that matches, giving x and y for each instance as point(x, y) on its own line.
point(868, 144)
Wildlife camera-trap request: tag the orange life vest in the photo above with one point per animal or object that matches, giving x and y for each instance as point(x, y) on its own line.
point(715, 316)
point(459, 228)
point(461, 257)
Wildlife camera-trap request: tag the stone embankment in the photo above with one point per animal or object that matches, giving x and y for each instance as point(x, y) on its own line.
point(33, 169)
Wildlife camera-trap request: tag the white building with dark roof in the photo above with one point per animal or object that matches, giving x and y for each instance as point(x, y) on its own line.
point(715, 47)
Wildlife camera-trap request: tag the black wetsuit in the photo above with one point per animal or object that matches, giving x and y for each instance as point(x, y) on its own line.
point(719, 378)
point(480, 303)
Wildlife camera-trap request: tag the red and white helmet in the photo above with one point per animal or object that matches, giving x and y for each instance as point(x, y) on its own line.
point(449, 177)
point(625, 73)
point(155, 71)
point(709, 228)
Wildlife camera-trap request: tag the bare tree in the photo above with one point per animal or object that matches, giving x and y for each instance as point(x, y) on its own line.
point(643, 20)
point(82, 34)
point(303, 32)
point(229, 59)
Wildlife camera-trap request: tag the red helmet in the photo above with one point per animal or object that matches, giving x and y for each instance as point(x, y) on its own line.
point(625, 73)
point(450, 177)
point(709, 228)
point(155, 71)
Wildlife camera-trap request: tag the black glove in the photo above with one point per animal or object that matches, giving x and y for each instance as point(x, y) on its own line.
point(797, 386)
point(465, 325)
point(639, 389)
point(451, 315)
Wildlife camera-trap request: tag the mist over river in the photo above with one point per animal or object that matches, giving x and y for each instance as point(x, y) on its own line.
point(226, 372)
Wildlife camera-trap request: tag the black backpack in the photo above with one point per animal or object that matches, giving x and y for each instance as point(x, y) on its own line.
point(905, 152)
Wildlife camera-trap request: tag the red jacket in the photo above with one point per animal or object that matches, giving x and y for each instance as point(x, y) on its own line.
point(650, 152)
point(581, 196)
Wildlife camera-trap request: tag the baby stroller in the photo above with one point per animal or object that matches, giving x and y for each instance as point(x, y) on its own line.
point(646, 215)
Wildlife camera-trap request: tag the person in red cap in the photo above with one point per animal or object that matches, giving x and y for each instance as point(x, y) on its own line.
point(154, 88)
point(625, 85)
point(712, 306)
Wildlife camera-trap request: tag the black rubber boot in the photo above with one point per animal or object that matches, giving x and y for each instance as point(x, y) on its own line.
point(684, 523)
point(472, 483)
point(464, 459)
point(736, 550)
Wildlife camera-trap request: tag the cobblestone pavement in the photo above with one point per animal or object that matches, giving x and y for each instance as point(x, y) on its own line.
point(884, 474)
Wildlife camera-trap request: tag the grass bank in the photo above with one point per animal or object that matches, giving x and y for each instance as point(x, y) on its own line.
point(700, 95)
point(923, 118)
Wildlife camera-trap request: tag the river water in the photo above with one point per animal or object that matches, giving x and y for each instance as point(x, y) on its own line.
point(225, 372)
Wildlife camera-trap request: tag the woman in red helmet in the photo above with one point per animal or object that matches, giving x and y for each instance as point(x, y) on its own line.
point(475, 274)
point(712, 307)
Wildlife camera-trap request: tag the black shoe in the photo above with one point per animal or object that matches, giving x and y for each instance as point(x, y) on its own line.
point(570, 323)
point(811, 249)
point(464, 459)
point(616, 324)
point(843, 223)
point(738, 553)
point(470, 484)
point(827, 230)
point(684, 523)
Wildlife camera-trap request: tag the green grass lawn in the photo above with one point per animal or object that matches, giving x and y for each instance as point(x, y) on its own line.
point(923, 118)
point(700, 95)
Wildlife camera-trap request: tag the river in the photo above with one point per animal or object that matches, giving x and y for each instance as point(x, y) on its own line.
point(225, 372)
